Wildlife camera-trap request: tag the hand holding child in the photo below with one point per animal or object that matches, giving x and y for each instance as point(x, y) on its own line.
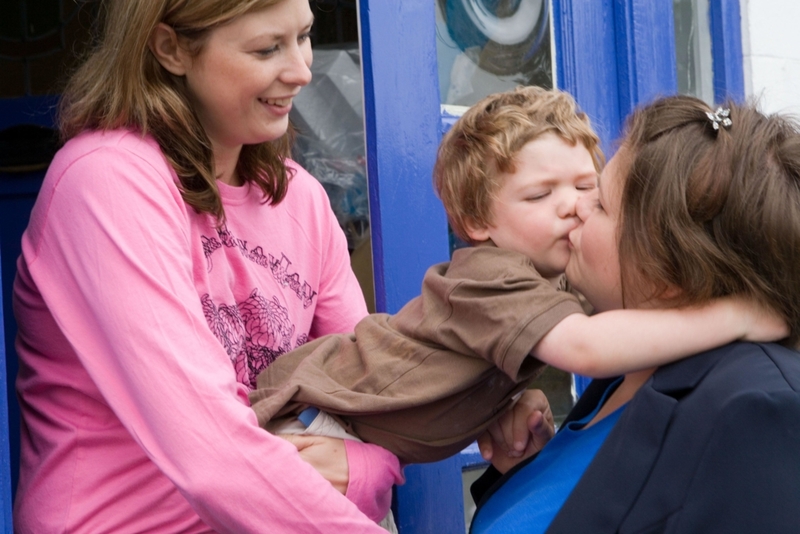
point(520, 432)
point(326, 455)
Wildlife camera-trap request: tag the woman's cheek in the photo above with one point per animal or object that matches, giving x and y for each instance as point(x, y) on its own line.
point(599, 265)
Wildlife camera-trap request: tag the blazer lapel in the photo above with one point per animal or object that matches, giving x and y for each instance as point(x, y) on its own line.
point(608, 489)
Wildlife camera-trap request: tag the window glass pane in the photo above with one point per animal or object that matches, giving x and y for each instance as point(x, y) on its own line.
point(693, 49)
point(485, 46)
point(328, 118)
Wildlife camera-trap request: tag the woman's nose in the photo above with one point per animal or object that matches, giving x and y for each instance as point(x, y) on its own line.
point(298, 69)
point(585, 205)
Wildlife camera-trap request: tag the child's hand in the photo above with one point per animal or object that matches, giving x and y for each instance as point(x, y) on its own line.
point(519, 433)
point(760, 323)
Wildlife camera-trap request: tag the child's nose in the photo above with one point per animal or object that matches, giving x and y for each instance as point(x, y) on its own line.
point(568, 205)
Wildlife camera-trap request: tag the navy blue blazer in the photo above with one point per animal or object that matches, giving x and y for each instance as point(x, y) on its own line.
point(710, 444)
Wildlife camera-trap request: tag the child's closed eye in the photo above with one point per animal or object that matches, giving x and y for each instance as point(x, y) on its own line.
point(537, 196)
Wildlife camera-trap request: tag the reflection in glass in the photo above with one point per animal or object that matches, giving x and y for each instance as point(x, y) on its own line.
point(485, 46)
point(693, 49)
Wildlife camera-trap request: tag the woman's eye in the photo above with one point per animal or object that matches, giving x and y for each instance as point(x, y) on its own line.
point(304, 37)
point(267, 51)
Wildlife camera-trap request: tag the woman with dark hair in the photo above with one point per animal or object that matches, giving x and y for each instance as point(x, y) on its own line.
point(697, 204)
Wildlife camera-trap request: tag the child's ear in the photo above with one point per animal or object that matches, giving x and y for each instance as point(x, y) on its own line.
point(164, 45)
point(477, 232)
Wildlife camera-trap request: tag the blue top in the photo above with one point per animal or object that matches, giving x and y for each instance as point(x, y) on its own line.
point(529, 500)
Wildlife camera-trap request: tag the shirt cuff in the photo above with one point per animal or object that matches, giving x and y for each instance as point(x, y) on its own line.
point(372, 472)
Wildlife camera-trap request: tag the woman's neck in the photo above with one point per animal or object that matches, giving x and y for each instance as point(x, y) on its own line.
point(225, 160)
point(625, 392)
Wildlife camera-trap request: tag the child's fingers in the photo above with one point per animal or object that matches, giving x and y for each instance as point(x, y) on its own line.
point(485, 446)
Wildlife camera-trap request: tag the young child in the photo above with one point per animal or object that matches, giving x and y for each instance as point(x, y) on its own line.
point(425, 382)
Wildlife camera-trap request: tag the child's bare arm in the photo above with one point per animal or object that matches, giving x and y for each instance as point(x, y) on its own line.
point(622, 341)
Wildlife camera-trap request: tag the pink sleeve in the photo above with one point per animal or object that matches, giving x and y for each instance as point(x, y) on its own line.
point(373, 472)
point(111, 257)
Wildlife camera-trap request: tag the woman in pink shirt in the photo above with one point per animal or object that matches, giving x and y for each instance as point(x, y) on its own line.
point(175, 251)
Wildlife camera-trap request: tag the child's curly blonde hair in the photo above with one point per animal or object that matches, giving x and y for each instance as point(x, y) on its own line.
point(484, 142)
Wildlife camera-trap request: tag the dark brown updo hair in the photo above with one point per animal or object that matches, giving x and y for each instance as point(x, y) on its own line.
point(711, 211)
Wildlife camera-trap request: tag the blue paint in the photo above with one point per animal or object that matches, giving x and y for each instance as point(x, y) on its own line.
point(39, 110)
point(5, 458)
point(645, 51)
point(586, 67)
point(18, 192)
point(408, 224)
point(431, 500)
point(401, 97)
point(726, 50)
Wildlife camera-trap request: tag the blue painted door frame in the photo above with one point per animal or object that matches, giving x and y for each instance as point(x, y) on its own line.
point(610, 54)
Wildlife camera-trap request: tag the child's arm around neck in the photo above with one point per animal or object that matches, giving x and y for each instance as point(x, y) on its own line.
point(622, 341)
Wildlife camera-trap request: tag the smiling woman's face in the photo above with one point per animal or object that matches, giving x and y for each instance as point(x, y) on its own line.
point(593, 267)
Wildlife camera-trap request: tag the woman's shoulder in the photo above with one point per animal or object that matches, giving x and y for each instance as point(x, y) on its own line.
point(99, 154)
point(784, 360)
point(742, 355)
point(99, 142)
point(108, 167)
point(733, 371)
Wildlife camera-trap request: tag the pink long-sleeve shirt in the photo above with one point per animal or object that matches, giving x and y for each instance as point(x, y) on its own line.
point(141, 328)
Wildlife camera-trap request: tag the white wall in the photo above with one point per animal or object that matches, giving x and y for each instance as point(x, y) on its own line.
point(771, 50)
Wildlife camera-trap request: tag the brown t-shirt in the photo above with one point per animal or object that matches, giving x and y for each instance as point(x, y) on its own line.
point(427, 381)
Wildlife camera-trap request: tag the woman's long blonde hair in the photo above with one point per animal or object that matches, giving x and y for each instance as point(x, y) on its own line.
point(122, 85)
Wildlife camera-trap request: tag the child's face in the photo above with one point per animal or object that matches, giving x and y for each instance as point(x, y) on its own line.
point(534, 211)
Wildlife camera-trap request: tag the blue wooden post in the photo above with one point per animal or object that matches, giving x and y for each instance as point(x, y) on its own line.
point(645, 51)
point(5, 455)
point(402, 109)
point(631, 58)
point(726, 49)
point(591, 78)
point(17, 194)
point(409, 228)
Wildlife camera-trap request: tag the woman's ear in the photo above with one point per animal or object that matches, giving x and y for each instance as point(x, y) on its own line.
point(477, 232)
point(168, 52)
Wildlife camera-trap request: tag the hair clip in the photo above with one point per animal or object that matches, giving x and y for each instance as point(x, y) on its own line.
point(721, 116)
